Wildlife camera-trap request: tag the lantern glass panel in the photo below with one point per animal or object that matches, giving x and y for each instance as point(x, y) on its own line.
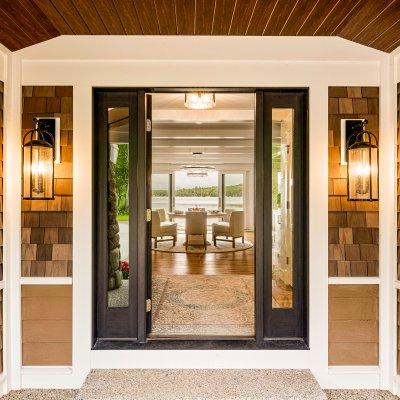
point(363, 173)
point(38, 171)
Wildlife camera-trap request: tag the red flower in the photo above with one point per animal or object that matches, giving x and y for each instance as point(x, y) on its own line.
point(124, 265)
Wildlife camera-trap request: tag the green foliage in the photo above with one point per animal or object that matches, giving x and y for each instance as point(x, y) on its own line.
point(122, 178)
point(211, 191)
point(234, 190)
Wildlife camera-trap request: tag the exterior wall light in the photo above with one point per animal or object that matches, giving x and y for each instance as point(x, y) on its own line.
point(200, 101)
point(38, 151)
point(362, 168)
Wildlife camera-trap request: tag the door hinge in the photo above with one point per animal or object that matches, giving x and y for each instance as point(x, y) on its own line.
point(148, 305)
point(148, 215)
point(148, 125)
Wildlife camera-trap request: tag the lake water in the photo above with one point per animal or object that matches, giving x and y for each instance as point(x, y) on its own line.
point(209, 203)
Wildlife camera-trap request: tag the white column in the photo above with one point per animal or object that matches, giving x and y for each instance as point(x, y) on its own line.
point(12, 221)
point(318, 230)
point(82, 232)
point(387, 223)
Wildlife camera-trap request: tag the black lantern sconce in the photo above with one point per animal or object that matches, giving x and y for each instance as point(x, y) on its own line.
point(38, 153)
point(362, 165)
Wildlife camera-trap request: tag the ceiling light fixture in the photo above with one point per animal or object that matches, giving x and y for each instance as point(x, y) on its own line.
point(196, 171)
point(200, 101)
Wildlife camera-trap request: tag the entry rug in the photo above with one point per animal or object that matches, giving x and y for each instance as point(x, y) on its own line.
point(201, 385)
point(203, 305)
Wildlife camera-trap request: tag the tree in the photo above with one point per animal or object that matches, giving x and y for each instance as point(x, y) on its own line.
point(122, 178)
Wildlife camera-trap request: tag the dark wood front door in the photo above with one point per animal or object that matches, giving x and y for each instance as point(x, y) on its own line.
point(122, 128)
point(281, 215)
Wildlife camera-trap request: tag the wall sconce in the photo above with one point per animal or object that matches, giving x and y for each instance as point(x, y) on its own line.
point(38, 152)
point(362, 165)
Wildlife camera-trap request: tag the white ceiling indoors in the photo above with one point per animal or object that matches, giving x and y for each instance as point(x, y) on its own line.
point(224, 135)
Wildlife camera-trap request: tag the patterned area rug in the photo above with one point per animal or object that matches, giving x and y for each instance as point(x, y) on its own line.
point(203, 305)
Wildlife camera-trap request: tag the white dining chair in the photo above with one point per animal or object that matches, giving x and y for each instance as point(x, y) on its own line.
point(233, 229)
point(196, 225)
point(163, 229)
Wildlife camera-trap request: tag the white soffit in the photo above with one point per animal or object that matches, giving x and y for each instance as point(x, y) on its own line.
point(118, 48)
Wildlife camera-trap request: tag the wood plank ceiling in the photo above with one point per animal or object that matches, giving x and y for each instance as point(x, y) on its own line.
point(374, 23)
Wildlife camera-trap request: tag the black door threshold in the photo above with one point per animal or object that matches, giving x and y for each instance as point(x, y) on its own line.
point(204, 344)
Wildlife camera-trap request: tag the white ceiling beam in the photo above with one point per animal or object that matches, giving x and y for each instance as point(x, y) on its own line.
point(190, 150)
point(213, 158)
point(203, 142)
point(202, 115)
point(202, 134)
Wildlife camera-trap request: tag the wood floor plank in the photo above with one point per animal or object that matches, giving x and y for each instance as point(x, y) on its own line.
point(234, 263)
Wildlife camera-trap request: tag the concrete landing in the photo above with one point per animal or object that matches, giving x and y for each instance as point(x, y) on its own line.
point(201, 385)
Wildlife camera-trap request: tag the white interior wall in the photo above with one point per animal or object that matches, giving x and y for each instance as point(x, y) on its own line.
point(316, 63)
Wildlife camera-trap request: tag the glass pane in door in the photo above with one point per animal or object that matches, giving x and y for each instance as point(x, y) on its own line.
point(282, 207)
point(233, 192)
point(161, 192)
point(118, 207)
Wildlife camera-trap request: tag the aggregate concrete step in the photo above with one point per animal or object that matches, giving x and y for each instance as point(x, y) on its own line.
point(201, 385)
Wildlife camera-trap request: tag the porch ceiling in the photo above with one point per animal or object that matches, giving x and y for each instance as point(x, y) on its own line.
point(369, 22)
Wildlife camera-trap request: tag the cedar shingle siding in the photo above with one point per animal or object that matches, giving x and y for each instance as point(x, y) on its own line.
point(47, 224)
point(353, 226)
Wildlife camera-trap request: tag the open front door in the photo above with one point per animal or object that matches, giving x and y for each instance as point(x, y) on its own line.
point(148, 112)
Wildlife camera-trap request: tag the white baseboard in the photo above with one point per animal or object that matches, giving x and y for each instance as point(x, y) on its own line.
point(350, 378)
point(3, 384)
point(50, 378)
point(396, 385)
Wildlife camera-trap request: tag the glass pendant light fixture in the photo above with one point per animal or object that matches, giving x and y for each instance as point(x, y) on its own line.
point(362, 165)
point(200, 101)
point(196, 171)
point(38, 151)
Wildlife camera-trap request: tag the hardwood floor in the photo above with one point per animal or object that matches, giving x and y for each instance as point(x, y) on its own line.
point(235, 263)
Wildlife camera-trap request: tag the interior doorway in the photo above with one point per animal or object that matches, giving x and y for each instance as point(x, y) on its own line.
point(203, 216)
point(200, 217)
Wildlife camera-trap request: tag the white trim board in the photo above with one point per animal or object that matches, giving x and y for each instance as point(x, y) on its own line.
point(350, 280)
point(351, 377)
point(46, 281)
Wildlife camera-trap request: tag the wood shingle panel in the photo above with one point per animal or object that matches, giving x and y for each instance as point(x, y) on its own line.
point(353, 250)
point(46, 312)
point(47, 224)
point(353, 325)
